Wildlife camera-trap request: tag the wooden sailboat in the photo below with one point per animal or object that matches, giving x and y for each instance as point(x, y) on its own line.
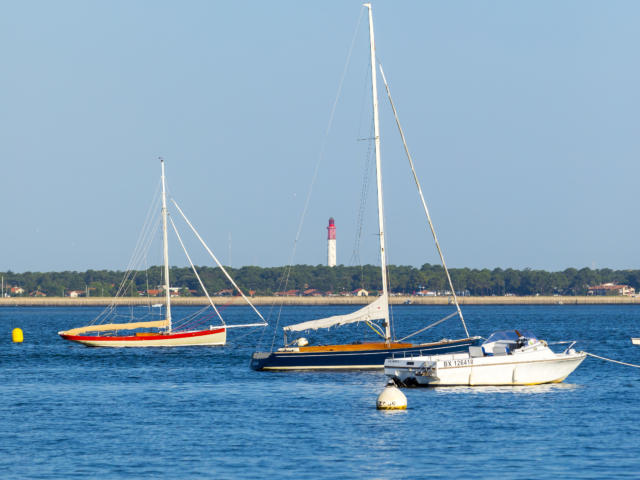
point(297, 355)
point(159, 333)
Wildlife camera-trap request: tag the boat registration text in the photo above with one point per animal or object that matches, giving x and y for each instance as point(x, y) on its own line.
point(462, 362)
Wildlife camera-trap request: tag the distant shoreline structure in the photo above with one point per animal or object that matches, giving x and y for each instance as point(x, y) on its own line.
point(324, 281)
point(318, 301)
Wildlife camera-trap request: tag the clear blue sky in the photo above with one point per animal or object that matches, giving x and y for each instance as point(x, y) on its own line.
point(522, 118)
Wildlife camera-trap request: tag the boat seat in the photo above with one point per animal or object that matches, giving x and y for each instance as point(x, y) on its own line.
point(475, 352)
point(500, 350)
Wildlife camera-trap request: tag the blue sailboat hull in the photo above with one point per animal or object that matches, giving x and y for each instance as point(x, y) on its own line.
point(352, 360)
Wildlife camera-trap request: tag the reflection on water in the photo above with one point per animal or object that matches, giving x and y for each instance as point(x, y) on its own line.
point(393, 412)
point(516, 389)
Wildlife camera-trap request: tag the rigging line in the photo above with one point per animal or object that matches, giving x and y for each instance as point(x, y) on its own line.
point(146, 276)
point(389, 283)
point(364, 103)
point(264, 330)
point(198, 312)
point(376, 329)
point(143, 237)
point(430, 326)
point(272, 307)
point(189, 320)
point(236, 338)
point(138, 257)
point(282, 286)
point(243, 325)
point(320, 156)
point(326, 135)
point(142, 244)
point(613, 361)
point(424, 203)
point(173, 225)
point(224, 270)
point(355, 256)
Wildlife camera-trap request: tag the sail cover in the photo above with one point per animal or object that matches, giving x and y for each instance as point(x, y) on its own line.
point(118, 326)
point(376, 310)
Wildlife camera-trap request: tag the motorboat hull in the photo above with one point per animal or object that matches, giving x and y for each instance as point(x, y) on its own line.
point(351, 357)
point(462, 369)
point(211, 337)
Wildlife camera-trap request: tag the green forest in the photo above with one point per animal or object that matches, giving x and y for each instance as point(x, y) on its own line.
point(324, 280)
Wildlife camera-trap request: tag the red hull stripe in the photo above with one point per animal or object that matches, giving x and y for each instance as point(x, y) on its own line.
point(171, 336)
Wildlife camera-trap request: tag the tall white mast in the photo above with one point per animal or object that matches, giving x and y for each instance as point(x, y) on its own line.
point(376, 133)
point(165, 249)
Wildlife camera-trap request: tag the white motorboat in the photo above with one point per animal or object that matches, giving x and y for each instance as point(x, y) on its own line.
point(635, 341)
point(510, 357)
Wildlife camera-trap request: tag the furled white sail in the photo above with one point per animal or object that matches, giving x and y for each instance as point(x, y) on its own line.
point(379, 309)
point(105, 327)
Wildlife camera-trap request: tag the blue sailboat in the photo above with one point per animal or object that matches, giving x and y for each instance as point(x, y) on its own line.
point(298, 355)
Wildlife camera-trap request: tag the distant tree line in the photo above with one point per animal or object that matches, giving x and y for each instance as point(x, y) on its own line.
point(339, 279)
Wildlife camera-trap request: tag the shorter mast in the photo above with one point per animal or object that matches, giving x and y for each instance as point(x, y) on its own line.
point(424, 203)
point(165, 249)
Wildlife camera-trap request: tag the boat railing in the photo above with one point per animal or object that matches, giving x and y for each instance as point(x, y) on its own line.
point(410, 354)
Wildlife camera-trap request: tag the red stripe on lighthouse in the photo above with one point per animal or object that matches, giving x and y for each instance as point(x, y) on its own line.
point(331, 230)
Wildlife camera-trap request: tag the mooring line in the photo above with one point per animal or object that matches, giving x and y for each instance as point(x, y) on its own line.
point(614, 361)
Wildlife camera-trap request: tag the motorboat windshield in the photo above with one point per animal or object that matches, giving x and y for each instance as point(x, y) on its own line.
point(505, 341)
point(509, 336)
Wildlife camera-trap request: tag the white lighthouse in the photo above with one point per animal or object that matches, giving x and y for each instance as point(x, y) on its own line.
point(331, 243)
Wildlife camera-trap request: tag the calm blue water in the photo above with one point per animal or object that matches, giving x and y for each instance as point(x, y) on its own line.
point(68, 411)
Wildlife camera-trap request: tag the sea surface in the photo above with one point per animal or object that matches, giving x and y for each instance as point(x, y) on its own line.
point(68, 411)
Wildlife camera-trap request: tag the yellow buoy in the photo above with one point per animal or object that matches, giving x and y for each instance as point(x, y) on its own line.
point(16, 335)
point(391, 398)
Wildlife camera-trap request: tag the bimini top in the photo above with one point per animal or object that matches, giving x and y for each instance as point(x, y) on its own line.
point(509, 336)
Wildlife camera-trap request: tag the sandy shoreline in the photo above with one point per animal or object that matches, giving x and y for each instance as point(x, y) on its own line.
point(399, 300)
